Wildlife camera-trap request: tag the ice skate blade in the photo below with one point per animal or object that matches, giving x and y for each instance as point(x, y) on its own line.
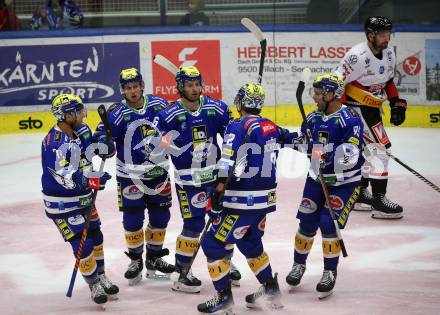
point(152, 274)
point(180, 287)
point(135, 281)
point(293, 288)
point(386, 216)
point(323, 295)
point(235, 283)
point(228, 311)
point(112, 297)
point(362, 207)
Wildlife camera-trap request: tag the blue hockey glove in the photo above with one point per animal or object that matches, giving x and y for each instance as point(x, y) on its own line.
point(398, 109)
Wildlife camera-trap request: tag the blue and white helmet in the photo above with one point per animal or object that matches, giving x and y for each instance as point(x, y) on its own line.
point(66, 104)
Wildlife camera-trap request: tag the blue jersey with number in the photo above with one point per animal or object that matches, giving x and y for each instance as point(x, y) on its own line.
point(132, 130)
point(194, 148)
point(64, 164)
point(339, 137)
point(251, 145)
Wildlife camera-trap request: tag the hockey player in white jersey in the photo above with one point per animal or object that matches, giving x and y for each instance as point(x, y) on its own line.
point(368, 71)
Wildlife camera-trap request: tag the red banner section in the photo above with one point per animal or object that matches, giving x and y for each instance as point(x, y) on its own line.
point(203, 54)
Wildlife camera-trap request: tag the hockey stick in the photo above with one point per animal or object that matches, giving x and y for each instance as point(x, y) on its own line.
point(165, 63)
point(417, 174)
point(103, 114)
point(299, 92)
point(251, 26)
point(175, 275)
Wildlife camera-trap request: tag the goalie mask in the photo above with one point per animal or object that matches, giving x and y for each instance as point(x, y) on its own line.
point(66, 104)
point(250, 96)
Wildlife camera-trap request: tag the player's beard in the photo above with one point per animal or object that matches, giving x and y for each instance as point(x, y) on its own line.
point(381, 46)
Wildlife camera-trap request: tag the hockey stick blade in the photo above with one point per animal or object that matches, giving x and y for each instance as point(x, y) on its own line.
point(251, 26)
point(165, 63)
point(417, 174)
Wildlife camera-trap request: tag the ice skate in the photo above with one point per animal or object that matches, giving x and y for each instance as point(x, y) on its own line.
point(235, 276)
point(363, 203)
point(186, 283)
point(134, 270)
point(110, 289)
point(326, 284)
point(268, 295)
point(154, 264)
point(295, 275)
point(383, 208)
point(221, 303)
point(98, 294)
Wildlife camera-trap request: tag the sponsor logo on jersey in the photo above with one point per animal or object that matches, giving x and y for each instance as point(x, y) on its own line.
point(352, 59)
point(271, 197)
point(132, 192)
point(199, 135)
point(164, 190)
point(76, 220)
point(379, 132)
point(199, 200)
point(336, 202)
point(240, 231)
point(323, 137)
point(262, 224)
point(307, 206)
point(267, 127)
point(250, 200)
point(381, 69)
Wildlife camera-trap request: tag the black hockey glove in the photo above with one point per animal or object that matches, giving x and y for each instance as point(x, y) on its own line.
point(398, 109)
point(216, 206)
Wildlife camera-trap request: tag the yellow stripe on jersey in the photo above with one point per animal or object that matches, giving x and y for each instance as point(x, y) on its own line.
point(331, 247)
point(186, 246)
point(219, 268)
point(363, 97)
point(134, 239)
point(154, 236)
point(259, 263)
point(303, 244)
point(87, 265)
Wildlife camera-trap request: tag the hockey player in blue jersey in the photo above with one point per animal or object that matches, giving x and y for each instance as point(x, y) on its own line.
point(141, 183)
point(195, 120)
point(66, 194)
point(250, 149)
point(337, 133)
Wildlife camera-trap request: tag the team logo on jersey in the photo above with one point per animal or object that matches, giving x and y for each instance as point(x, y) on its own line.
point(66, 182)
point(307, 206)
point(199, 135)
point(336, 202)
point(323, 137)
point(240, 231)
point(380, 134)
point(132, 192)
point(199, 200)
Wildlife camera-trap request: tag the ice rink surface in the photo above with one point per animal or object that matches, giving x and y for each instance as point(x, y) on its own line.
point(393, 267)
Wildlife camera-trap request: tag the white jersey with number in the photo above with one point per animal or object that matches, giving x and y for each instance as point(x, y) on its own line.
point(364, 70)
